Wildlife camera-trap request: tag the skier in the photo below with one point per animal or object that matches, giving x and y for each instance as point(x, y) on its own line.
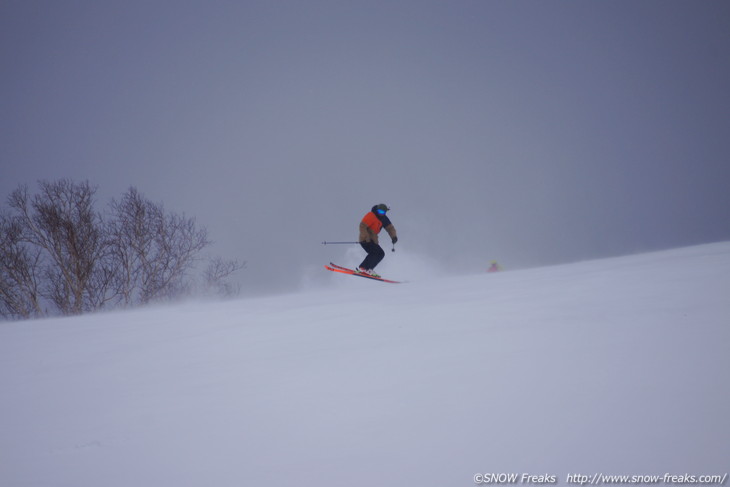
point(370, 227)
point(494, 267)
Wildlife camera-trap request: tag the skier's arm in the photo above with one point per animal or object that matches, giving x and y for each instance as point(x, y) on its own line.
point(391, 231)
point(366, 235)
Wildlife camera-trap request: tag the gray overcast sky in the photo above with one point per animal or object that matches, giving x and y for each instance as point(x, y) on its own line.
point(532, 132)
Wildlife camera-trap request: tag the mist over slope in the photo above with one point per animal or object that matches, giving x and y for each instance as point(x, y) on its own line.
point(615, 366)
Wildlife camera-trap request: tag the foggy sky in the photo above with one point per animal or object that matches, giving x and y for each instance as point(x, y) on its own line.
point(529, 132)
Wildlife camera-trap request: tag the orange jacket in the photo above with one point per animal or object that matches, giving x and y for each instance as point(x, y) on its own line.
point(371, 225)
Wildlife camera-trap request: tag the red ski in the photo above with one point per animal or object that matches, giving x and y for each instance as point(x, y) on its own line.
point(345, 270)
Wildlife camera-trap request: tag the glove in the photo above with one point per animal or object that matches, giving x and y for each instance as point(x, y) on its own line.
point(394, 240)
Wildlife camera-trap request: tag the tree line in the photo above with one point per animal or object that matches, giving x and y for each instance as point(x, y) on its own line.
point(59, 255)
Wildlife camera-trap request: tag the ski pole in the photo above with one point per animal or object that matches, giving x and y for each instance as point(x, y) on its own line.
point(332, 243)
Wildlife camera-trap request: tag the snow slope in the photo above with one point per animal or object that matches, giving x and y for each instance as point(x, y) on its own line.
point(616, 366)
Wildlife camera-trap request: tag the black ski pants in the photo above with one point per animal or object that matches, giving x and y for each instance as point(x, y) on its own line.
point(375, 255)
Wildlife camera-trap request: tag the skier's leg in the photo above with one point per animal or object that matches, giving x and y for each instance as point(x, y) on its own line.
point(367, 246)
point(378, 255)
point(375, 255)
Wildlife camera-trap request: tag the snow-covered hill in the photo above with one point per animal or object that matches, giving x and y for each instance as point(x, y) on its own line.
point(617, 366)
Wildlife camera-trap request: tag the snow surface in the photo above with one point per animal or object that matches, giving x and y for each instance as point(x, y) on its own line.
point(616, 366)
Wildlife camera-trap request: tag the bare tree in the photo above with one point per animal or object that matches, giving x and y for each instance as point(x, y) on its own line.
point(131, 234)
point(152, 250)
point(57, 252)
point(20, 295)
point(62, 222)
point(217, 271)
